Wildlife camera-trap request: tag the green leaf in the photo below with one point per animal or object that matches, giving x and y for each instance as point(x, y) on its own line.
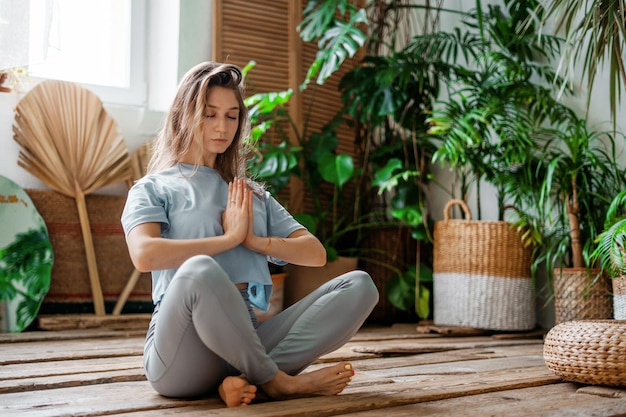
point(336, 169)
point(265, 103)
point(400, 293)
point(307, 221)
point(423, 303)
point(339, 41)
point(384, 173)
point(318, 16)
point(411, 216)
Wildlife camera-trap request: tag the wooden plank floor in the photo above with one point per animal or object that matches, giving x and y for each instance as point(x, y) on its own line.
point(400, 372)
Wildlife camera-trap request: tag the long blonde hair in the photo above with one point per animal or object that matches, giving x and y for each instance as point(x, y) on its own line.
point(183, 123)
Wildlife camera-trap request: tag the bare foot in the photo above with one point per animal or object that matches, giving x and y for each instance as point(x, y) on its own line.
point(236, 391)
point(326, 381)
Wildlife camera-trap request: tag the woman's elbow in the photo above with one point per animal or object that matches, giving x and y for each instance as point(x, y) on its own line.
point(141, 263)
point(140, 257)
point(139, 242)
point(319, 256)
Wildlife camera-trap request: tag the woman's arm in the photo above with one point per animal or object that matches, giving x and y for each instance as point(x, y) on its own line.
point(150, 252)
point(299, 248)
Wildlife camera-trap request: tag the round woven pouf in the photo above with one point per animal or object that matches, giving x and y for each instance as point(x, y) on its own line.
point(588, 351)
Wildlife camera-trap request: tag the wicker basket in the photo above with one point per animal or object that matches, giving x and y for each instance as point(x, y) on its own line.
point(581, 294)
point(481, 274)
point(619, 298)
point(70, 283)
point(588, 351)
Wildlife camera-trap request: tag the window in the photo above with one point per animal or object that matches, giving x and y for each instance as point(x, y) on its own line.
point(98, 44)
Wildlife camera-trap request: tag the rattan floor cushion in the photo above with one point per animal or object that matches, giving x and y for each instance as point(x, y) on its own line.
point(588, 351)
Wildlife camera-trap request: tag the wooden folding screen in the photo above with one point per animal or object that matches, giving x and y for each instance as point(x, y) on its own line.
point(266, 32)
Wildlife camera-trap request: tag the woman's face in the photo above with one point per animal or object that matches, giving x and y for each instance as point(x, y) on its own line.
point(221, 120)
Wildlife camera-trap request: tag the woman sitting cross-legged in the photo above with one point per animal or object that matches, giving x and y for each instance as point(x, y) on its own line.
point(206, 231)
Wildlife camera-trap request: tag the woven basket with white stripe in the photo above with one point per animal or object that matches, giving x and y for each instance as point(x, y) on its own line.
point(619, 298)
point(481, 274)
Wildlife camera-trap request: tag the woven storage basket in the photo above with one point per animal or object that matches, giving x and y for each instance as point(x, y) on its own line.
point(588, 351)
point(619, 298)
point(581, 294)
point(481, 274)
point(70, 277)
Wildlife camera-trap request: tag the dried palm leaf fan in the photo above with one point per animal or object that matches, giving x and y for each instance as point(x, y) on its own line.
point(73, 146)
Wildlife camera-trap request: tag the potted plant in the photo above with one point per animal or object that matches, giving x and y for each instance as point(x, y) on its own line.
point(386, 95)
point(611, 252)
point(577, 174)
point(485, 124)
point(285, 151)
point(496, 101)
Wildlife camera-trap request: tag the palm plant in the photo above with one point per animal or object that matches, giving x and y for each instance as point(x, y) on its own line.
point(594, 31)
point(388, 96)
point(611, 249)
point(497, 99)
point(580, 173)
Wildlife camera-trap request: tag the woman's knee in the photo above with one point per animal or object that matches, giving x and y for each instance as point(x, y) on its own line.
point(204, 270)
point(199, 264)
point(363, 286)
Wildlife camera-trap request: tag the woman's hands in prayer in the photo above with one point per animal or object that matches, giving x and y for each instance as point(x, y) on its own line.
point(237, 219)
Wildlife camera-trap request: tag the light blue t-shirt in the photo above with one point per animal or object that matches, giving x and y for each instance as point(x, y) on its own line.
point(190, 205)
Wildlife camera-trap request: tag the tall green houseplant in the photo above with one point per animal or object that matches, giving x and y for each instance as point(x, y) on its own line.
point(498, 95)
point(388, 96)
point(329, 176)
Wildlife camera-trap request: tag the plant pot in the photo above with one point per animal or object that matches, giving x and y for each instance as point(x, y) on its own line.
point(619, 298)
point(481, 274)
point(303, 279)
point(276, 300)
point(579, 294)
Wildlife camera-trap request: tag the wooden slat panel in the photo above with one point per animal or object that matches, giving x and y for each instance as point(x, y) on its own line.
point(558, 400)
point(66, 367)
point(107, 384)
point(381, 398)
point(61, 350)
point(94, 400)
point(255, 31)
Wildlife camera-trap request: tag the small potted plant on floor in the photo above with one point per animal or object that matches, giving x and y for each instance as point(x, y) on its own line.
point(611, 252)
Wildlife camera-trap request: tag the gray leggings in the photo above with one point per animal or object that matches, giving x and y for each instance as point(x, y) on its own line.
point(202, 332)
